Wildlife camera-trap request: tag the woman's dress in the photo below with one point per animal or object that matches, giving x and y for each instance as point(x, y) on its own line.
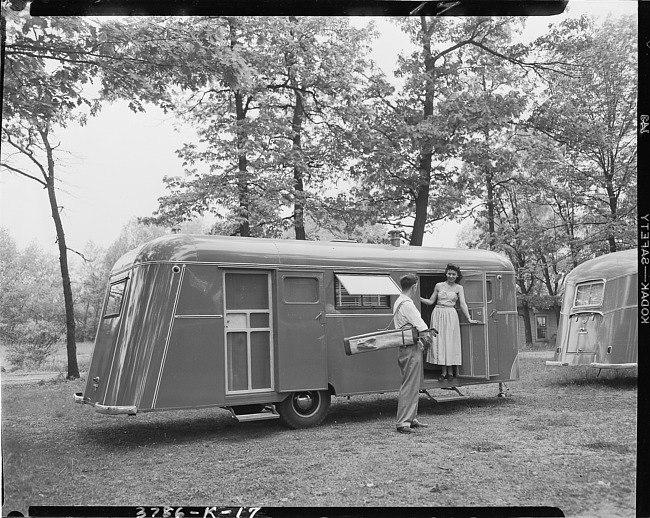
point(445, 349)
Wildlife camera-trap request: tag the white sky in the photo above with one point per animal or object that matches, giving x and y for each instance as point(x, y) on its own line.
point(117, 161)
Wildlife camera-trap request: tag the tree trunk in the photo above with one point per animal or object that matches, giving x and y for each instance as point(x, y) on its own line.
point(613, 199)
point(298, 184)
point(242, 182)
point(528, 330)
point(490, 208)
point(426, 150)
point(71, 344)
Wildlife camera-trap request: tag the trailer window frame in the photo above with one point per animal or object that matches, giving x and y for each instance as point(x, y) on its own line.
point(109, 310)
point(589, 302)
point(291, 277)
point(344, 300)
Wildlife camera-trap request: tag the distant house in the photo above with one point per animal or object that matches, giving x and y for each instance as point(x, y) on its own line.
point(543, 325)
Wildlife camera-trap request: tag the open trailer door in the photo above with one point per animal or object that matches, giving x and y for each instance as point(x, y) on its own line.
point(474, 337)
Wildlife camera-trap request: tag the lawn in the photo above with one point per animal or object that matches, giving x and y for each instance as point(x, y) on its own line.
point(563, 438)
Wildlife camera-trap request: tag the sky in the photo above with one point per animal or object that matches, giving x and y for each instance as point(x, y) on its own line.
point(115, 165)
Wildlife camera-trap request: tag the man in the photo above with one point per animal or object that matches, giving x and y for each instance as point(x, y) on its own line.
point(409, 357)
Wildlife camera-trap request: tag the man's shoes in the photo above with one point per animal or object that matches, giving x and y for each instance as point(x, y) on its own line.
point(405, 429)
point(418, 424)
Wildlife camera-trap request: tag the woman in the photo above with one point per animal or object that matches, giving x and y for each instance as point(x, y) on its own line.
point(445, 350)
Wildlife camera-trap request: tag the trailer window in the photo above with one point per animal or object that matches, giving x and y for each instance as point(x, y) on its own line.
point(363, 291)
point(200, 291)
point(590, 294)
point(115, 298)
point(247, 291)
point(300, 290)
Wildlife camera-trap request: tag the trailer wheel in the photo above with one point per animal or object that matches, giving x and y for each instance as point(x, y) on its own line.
point(305, 408)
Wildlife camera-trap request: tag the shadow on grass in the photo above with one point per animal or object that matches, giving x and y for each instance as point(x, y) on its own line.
point(218, 426)
point(158, 430)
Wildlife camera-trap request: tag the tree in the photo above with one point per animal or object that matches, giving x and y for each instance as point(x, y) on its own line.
point(32, 319)
point(90, 287)
point(133, 234)
point(49, 68)
point(263, 144)
point(36, 101)
point(591, 114)
point(414, 136)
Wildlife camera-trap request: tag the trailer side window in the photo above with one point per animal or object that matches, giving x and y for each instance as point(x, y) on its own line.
point(364, 291)
point(115, 298)
point(300, 290)
point(589, 294)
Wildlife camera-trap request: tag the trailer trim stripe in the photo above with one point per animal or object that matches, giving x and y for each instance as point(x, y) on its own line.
point(198, 316)
point(168, 339)
point(277, 266)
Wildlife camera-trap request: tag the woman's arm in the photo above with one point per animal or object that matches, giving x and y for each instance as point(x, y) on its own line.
point(432, 299)
point(463, 305)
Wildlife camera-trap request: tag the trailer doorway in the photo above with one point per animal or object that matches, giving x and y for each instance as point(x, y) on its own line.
point(474, 338)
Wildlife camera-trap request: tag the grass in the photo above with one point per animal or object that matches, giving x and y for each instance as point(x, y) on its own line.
point(560, 439)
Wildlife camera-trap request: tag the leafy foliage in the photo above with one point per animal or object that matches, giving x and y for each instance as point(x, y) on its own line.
point(266, 144)
point(31, 344)
point(31, 317)
point(591, 116)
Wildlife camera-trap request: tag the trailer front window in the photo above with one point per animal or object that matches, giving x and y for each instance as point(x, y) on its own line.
point(589, 294)
point(115, 298)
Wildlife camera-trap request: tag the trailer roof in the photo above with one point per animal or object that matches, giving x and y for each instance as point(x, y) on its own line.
point(606, 266)
point(278, 252)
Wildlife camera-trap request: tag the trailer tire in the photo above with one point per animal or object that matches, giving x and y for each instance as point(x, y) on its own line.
point(305, 408)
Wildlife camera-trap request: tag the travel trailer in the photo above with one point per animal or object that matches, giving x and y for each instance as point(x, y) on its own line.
point(599, 317)
point(257, 326)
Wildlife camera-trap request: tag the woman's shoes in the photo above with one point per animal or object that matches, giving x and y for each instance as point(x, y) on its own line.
point(441, 378)
point(449, 377)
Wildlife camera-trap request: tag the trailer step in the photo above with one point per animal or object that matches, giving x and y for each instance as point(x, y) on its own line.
point(445, 398)
point(269, 412)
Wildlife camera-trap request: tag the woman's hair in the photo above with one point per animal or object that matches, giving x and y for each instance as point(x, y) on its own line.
point(456, 269)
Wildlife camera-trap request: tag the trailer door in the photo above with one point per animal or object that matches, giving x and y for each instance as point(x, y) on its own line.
point(301, 348)
point(474, 340)
point(585, 318)
point(249, 331)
